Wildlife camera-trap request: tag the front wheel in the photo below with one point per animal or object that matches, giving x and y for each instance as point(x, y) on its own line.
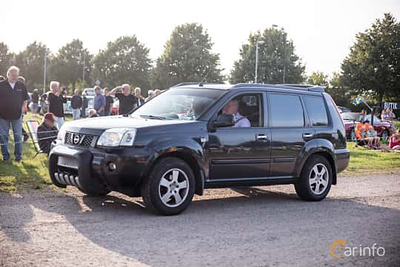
point(315, 180)
point(169, 188)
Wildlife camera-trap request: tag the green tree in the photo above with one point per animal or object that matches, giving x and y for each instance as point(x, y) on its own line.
point(31, 63)
point(339, 92)
point(318, 78)
point(67, 65)
point(373, 64)
point(126, 60)
point(276, 53)
point(6, 58)
point(187, 57)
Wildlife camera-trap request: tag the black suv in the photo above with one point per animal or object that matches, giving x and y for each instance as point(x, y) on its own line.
point(185, 140)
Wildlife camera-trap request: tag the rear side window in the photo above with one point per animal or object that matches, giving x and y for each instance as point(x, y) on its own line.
point(316, 110)
point(286, 111)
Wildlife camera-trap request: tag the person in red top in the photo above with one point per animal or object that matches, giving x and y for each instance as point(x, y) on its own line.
point(394, 141)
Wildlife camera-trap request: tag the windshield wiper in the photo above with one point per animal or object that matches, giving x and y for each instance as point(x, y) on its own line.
point(154, 117)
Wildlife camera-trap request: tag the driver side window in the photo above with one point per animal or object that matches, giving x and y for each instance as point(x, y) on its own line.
point(246, 109)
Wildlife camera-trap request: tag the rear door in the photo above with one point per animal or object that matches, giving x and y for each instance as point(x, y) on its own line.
point(290, 130)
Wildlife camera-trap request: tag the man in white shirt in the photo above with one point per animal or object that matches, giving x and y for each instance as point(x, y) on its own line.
point(232, 108)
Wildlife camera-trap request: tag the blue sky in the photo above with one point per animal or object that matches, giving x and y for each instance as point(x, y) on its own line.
point(322, 31)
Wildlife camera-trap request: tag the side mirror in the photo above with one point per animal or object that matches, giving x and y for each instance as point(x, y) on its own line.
point(224, 120)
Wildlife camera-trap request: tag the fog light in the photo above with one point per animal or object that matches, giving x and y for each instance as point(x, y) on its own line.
point(112, 166)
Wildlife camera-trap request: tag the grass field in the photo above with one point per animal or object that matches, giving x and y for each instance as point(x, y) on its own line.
point(32, 172)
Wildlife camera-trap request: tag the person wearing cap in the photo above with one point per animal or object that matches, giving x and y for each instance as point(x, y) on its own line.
point(47, 132)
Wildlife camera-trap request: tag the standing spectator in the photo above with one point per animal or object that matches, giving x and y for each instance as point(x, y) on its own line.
point(44, 106)
point(139, 97)
point(56, 103)
point(85, 104)
point(47, 132)
point(127, 101)
point(99, 102)
point(109, 102)
point(150, 95)
point(34, 106)
point(76, 105)
point(13, 99)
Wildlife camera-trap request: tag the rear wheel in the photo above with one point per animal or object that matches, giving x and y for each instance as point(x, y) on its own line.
point(315, 180)
point(353, 135)
point(385, 135)
point(169, 188)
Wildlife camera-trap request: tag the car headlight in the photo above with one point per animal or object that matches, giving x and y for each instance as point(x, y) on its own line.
point(117, 137)
point(61, 134)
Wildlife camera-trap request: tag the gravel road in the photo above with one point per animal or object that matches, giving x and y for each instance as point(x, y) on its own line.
point(258, 226)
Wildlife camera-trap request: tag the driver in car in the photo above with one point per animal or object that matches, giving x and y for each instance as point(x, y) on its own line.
point(232, 108)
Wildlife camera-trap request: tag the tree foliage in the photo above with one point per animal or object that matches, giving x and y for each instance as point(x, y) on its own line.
point(318, 78)
point(187, 57)
point(373, 64)
point(67, 65)
point(31, 63)
point(126, 60)
point(6, 58)
point(275, 54)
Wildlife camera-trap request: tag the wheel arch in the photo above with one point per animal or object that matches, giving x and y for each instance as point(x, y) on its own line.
point(191, 153)
point(318, 147)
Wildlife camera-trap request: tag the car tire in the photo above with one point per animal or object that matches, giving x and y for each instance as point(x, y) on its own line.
point(385, 135)
point(315, 180)
point(169, 188)
point(352, 136)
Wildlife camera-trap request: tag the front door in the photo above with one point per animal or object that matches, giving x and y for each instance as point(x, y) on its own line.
point(241, 152)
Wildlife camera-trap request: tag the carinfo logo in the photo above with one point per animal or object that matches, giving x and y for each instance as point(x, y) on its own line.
point(340, 249)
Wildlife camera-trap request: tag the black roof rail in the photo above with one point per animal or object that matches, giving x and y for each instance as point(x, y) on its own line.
point(282, 86)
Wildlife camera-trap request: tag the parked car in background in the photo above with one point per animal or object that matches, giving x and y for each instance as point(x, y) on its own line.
point(89, 91)
point(343, 109)
point(115, 108)
point(351, 119)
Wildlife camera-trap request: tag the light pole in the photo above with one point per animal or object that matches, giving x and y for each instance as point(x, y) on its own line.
point(44, 71)
point(284, 54)
point(256, 70)
point(83, 69)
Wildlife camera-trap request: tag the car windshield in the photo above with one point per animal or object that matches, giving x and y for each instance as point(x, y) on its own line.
point(178, 104)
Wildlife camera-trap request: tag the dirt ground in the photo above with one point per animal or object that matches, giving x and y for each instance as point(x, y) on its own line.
point(260, 226)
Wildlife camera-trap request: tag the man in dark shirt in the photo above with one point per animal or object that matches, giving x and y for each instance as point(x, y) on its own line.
point(56, 103)
point(47, 132)
point(85, 104)
point(109, 102)
point(13, 99)
point(76, 105)
point(127, 101)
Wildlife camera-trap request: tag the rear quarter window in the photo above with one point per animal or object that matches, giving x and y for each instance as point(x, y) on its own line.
point(316, 110)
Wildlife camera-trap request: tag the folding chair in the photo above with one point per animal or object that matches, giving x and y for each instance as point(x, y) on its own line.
point(32, 129)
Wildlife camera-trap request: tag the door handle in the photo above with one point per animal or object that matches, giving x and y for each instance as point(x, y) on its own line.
point(308, 135)
point(262, 137)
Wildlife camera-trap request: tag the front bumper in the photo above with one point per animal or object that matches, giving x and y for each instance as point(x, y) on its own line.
point(342, 159)
point(94, 168)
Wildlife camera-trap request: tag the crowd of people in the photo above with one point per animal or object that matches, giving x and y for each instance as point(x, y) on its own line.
point(14, 103)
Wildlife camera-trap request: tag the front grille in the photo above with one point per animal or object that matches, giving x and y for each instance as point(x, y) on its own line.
point(77, 139)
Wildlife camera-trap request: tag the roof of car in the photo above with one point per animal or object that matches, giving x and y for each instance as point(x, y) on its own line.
point(224, 86)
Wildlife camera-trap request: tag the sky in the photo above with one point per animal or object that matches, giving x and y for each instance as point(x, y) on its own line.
point(322, 31)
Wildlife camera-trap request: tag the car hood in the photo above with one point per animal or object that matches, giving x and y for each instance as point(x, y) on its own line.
point(100, 124)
